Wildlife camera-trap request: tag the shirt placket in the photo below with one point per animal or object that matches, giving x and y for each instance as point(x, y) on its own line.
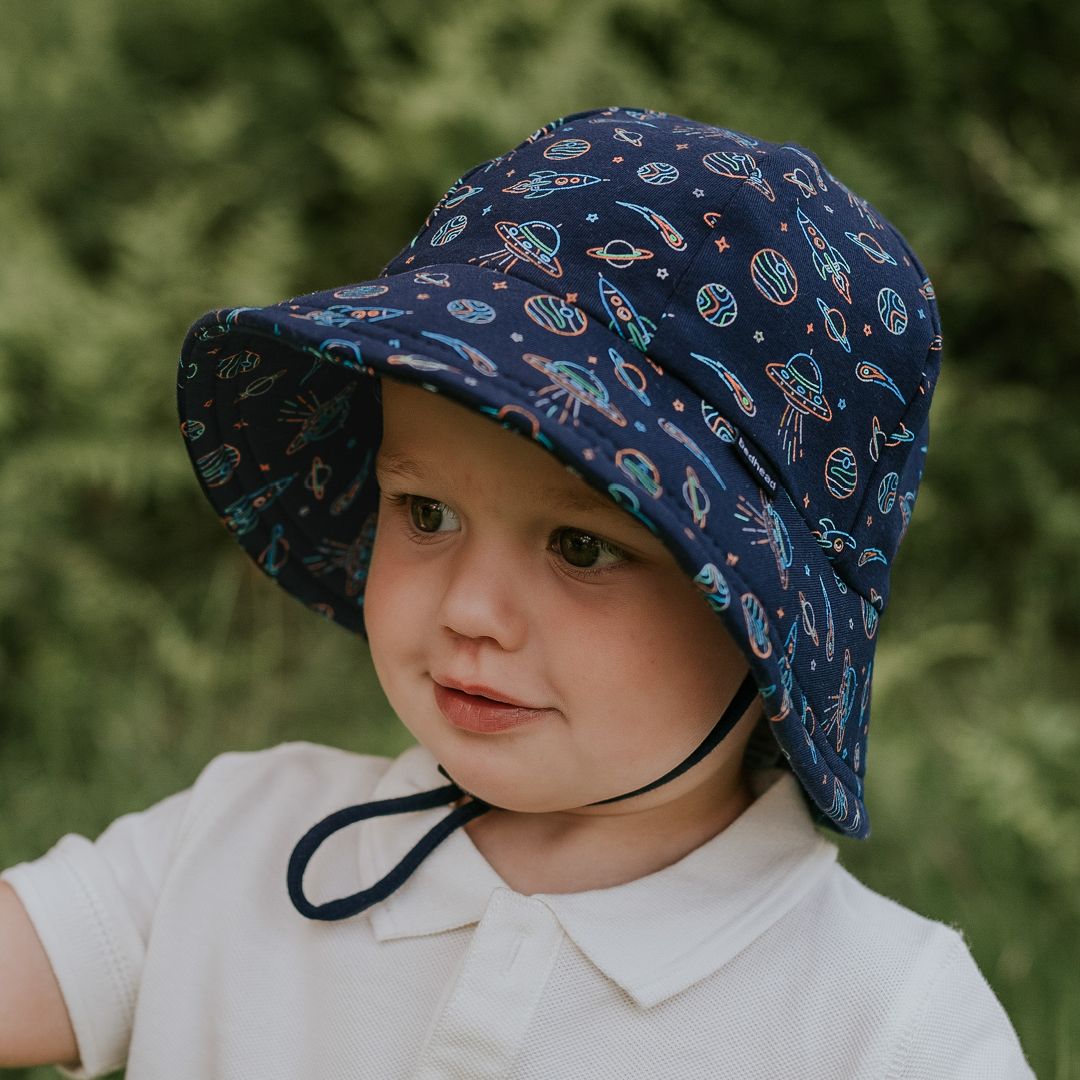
point(496, 993)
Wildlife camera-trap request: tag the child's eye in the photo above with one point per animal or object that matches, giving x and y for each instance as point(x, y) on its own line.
point(577, 548)
point(574, 545)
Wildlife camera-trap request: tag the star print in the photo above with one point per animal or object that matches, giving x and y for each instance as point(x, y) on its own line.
point(498, 285)
point(590, 217)
point(409, 259)
point(783, 226)
point(732, 559)
point(572, 297)
point(662, 272)
point(842, 403)
point(423, 296)
point(806, 503)
point(922, 314)
point(515, 336)
point(592, 359)
point(813, 665)
point(806, 567)
point(486, 210)
point(869, 520)
point(698, 193)
point(677, 405)
point(263, 468)
point(851, 624)
point(809, 327)
point(511, 172)
point(394, 343)
point(866, 329)
point(828, 210)
point(682, 146)
point(588, 453)
point(779, 612)
point(617, 160)
point(759, 337)
point(722, 243)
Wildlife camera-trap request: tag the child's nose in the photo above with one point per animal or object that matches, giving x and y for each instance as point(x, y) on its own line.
point(486, 594)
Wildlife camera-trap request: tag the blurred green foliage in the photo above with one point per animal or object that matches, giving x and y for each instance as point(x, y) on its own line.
point(161, 159)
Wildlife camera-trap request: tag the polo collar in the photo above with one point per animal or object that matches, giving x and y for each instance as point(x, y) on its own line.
point(653, 936)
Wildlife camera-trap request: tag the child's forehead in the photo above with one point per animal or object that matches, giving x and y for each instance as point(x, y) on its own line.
point(430, 437)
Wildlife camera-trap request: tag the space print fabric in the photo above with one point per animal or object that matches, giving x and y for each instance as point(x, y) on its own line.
point(710, 328)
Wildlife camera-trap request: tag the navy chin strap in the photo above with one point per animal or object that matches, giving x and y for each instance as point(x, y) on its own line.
point(425, 800)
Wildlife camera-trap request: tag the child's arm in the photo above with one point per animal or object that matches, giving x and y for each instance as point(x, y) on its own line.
point(34, 1024)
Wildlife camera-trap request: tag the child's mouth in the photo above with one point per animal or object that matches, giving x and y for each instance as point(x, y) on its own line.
point(474, 712)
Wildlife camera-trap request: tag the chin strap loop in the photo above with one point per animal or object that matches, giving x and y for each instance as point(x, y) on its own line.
point(360, 901)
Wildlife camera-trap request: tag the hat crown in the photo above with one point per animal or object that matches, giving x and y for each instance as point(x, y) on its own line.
point(745, 269)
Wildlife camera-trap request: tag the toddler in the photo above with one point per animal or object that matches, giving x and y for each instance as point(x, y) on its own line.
point(609, 466)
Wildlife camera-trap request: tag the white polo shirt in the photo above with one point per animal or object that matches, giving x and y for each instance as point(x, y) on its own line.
point(178, 951)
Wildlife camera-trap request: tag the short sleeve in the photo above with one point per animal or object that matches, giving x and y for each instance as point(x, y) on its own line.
point(960, 1030)
point(92, 904)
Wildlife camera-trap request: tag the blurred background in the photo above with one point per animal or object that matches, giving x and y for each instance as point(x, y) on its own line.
point(158, 159)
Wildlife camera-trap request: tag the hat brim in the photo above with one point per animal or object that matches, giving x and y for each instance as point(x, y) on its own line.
point(280, 418)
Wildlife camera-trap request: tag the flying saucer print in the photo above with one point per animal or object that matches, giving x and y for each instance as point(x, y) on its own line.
point(800, 381)
point(534, 242)
point(571, 387)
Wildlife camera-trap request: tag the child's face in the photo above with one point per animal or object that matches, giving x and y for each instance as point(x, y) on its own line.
point(482, 579)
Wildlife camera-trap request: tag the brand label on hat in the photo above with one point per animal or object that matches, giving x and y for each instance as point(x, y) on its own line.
point(756, 466)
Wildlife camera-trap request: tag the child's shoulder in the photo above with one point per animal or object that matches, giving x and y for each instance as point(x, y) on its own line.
point(296, 764)
point(916, 971)
point(861, 922)
point(291, 781)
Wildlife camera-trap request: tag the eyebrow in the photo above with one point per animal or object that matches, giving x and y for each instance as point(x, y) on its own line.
point(557, 498)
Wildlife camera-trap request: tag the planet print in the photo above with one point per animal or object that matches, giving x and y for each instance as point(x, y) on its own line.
point(716, 304)
point(565, 149)
point(449, 230)
point(658, 172)
point(556, 314)
point(841, 473)
point(886, 495)
point(892, 311)
point(474, 312)
point(774, 276)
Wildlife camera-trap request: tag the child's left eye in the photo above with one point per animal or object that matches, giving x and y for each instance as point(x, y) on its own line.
point(576, 547)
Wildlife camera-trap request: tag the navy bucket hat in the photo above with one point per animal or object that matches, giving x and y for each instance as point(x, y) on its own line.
point(709, 328)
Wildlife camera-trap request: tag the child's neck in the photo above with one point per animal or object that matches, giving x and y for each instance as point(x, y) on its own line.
point(564, 853)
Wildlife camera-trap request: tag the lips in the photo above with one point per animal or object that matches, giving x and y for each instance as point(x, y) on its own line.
point(478, 690)
point(483, 715)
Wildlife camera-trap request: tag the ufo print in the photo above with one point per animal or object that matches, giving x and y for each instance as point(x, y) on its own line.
point(800, 381)
point(571, 387)
point(534, 242)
